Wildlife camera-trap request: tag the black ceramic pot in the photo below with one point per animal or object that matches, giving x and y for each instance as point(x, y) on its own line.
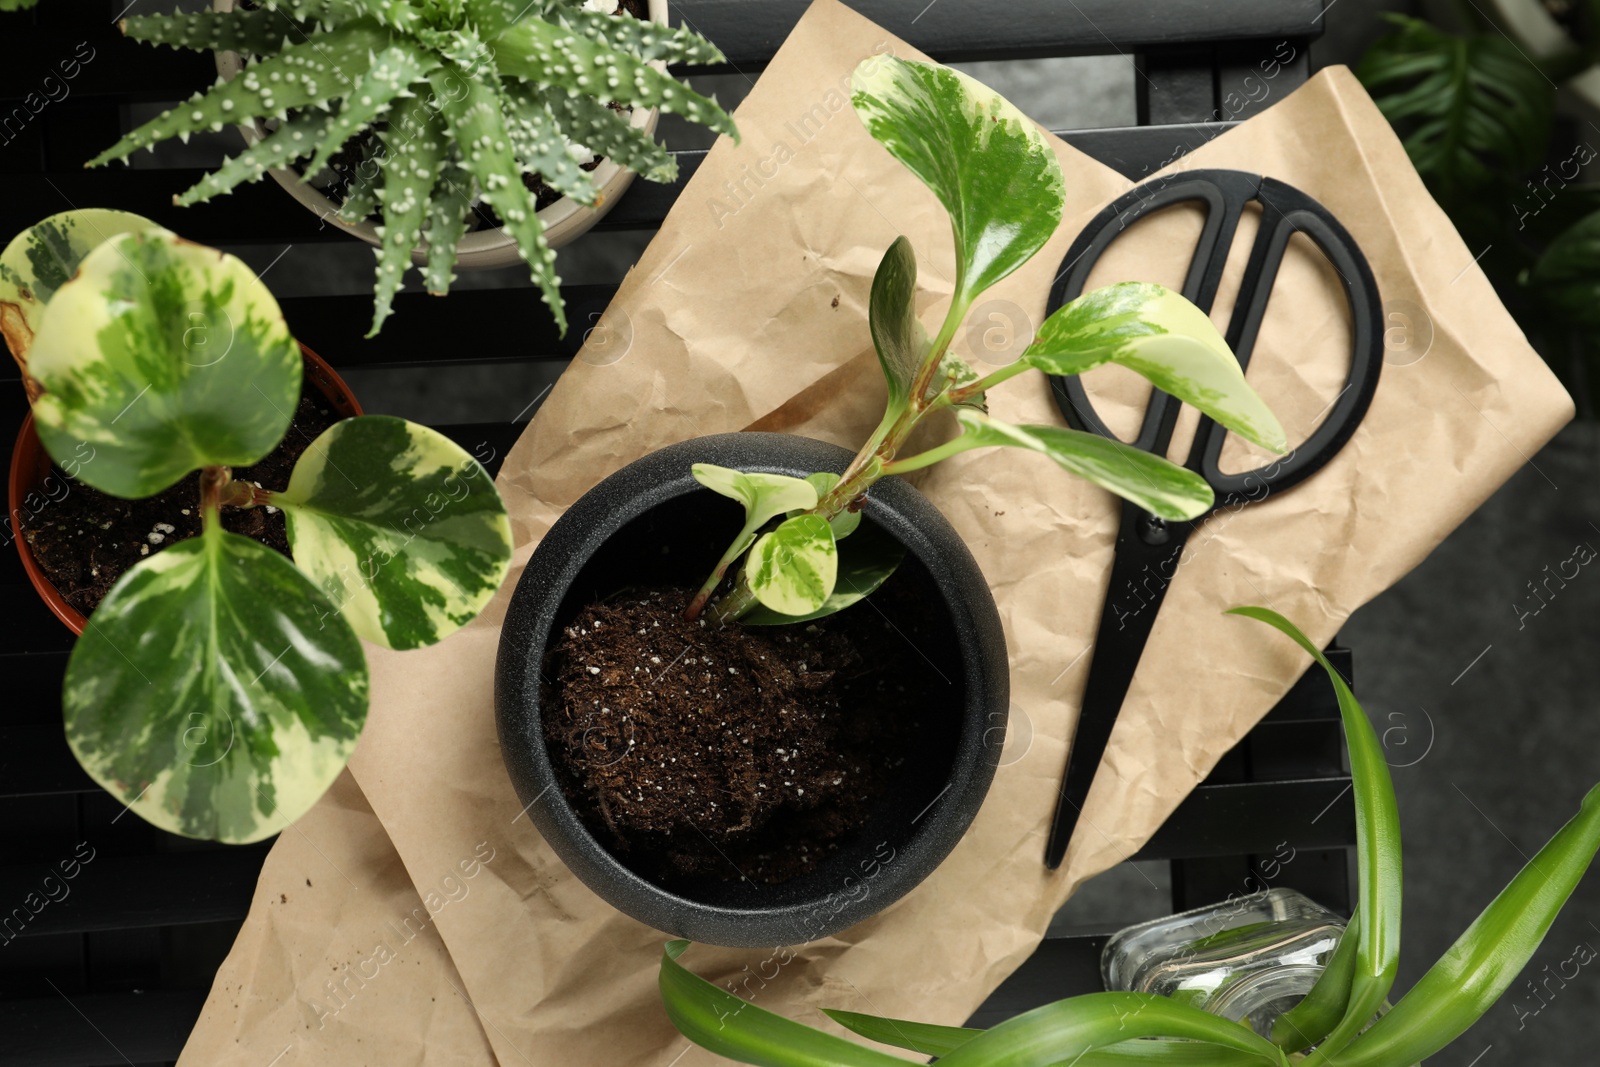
point(650, 523)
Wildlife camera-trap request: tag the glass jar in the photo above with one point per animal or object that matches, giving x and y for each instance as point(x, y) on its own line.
point(1248, 959)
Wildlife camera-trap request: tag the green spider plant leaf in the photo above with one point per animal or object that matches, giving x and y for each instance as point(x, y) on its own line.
point(302, 74)
point(416, 144)
point(844, 523)
point(1057, 1033)
point(294, 138)
point(474, 116)
point(932, 1040)
point(892, 316)
point(1152, 482)
point(1471, 110)
point(1567, 276)
point(392, 74)
point(401, 529)
point(1314, 1018)
point(793, 569)
point(1485, 960)
point(986, 162)
point(1376, 924)
point(1154, 331)
point(42, 258)
point(717, 1020)
point(250, 33)
point(551, 56)
point(215, 691)
point(166, 356)
point(865, 563)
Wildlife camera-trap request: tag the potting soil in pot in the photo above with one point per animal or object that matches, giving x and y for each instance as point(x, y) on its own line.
point(86, 539)
point(696, 751)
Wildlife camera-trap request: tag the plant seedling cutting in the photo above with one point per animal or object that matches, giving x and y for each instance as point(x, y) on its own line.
point(219, 688)
point(1333, 1024)
point(1001, 184)
point(464, 97)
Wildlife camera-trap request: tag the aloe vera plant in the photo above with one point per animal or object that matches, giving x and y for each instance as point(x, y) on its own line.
point(993, 172)
point(1333, 1025)
point(219, 688)
point(465, 97)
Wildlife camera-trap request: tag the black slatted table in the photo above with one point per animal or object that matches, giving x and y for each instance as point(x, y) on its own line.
point(116, 971)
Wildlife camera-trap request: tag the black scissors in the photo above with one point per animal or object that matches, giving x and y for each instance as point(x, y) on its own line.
point(1148, 549)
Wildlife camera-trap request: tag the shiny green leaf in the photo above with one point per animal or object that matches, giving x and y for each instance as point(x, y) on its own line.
point(1154, 331)
point(401, 529)
point(215, 691)
point(865, 563)
point(892, 316)
point(717, 1020)
point(166, 356)
point(844, 523)
point(1376, 924)
point(793, 569)
point(1487, 959)
point(41, 259)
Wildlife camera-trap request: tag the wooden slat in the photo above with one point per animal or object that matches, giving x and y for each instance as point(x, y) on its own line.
point(750, 31)
point(96, 1029)
point(132, 892)
point(1060, 967)
point(1252, 817)
point(35, 761)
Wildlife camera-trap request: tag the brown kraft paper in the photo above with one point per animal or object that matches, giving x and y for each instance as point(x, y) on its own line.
point(748, 310)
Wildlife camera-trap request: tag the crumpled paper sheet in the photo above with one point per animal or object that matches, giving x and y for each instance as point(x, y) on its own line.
point(749, 311)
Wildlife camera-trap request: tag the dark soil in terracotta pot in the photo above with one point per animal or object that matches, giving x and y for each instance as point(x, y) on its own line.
point(85, 540)
point(735, 753)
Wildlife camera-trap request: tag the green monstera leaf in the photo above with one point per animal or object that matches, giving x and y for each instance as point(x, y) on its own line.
point(793, 569)
point(986, 162)
point(42, 258)
point(399, 527)
point(215, 690)
point(1150, 329)
point(166, 356)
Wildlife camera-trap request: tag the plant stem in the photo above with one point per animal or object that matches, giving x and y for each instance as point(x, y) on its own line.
point(213, 482)
point(740, 545)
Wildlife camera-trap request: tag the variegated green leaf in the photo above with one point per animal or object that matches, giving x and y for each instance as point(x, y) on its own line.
point(166, 356)
point(390, 77)
point(1150, 329)
point(302, 74)
point(1153, 483)
point(417, 145)
point(250, 33)
point(793, 569)
point(589, 122)
point(764, 496)
point(41, 259)
point(294, 138)
point(892, 316)
point(986, 162)
point(865, 562)
point(846, 521)
point(474, 118)
point(547, 55)
point(401, 529)
point(955, 372)
point(215, 691)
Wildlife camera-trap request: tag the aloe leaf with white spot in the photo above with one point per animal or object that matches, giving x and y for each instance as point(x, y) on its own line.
point(389, 79)
point(417, 147)
point(589, 122)
point(399, 527)
point(294, 139)
point(447, 221)
point(166, 357)
point(476, 123)
point(643, 40)
point(40, 260)
point(215, 691)
point(261, 32)
point(302, 74)
point(542, 147)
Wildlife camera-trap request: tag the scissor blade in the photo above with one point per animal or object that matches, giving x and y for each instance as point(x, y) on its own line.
point(1140, 575)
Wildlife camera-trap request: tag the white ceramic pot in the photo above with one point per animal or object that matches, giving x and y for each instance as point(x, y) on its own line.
point(480, 249)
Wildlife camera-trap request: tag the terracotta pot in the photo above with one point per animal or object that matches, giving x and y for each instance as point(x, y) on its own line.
point(564, 221)
point(651, 521)
point(31, 468)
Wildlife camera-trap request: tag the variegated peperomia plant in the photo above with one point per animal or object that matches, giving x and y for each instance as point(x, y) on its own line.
point(994, 173)
point(447, 103)
point(219, 688)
